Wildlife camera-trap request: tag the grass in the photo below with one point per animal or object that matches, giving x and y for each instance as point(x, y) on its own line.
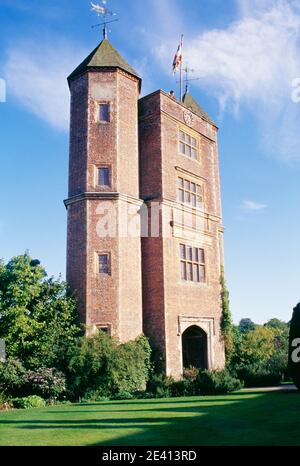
point(243, 418)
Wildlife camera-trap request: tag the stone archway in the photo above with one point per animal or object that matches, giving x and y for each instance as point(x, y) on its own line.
point(194, 348)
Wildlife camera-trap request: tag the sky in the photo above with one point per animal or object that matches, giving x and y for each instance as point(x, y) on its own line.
point(246, 57)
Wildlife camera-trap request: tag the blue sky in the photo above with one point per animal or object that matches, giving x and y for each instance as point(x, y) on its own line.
point(246, 54)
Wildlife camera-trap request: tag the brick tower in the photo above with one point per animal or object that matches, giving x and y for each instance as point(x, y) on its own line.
point(182, 258)
point(160, 275)
point(103, 261)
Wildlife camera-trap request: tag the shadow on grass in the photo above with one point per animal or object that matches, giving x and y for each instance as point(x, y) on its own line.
point(246, 418)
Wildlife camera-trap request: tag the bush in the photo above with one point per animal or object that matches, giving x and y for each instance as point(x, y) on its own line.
point(5, 402)
point(101, 365)
point(188, 386)
point(185, 387)
point(48, 383)
point(11, 377)
point(160, 386)
point(191, 373)
point(29, 402)
point(123, 396)
point(258, 376)
point(217, 382)
point(94, 396)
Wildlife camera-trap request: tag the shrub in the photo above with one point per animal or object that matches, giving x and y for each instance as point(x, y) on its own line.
point(128, 368)
point(254, 375)
point(5, 402)
point(94, 396)
point(123, 396)
point(191, 373)
point(101, 365)
point(160, 386)
point(11, 377)
point(185, 387)
point(217, 382)
point(48, 383)
point(29, 402)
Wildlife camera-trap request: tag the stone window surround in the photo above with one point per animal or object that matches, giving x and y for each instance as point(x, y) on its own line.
point(104, 327)
point(197, 183)
point(97, 265)
point(107, 103)
point(190, 282)
point(96, 178)
point(193, 134)
point(192, 178)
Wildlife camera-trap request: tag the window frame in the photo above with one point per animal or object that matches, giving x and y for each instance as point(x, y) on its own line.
point(193, 259)
point(105, 328)
point(103, 167)
point(184, 193)
point(107, 104)
point(187, 142)
point(98, 271)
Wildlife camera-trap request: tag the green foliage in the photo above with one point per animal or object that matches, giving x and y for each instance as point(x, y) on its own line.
point(48, 383)
point(258, 375)
point(160, 386)
point(294, 367)
point(94, 396)
point(246, 325)
point(226, 322)
point(5, 402)
point(123, 396)
point(194, 383)
point(101, 364)
point(12, 375)
point(29, 402)
point(37, 318)
point(257, 346)
point(260, 354)
point(277, 324)
point(188, 385)
point(218, 382)
point(185, 387)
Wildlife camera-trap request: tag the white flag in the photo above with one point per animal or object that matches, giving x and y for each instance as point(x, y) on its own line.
point(99, 9)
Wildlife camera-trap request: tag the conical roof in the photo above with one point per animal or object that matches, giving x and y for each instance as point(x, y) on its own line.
point(104, 56)
point(191, 104)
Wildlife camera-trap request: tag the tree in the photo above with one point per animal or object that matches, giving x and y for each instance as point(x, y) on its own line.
point(226, 322)
point(37, 318)
point(246, 325)
point(257, 346)
point(277, 324)
point(294, 345)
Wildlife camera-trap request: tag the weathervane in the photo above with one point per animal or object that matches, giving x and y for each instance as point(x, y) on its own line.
point(103, 10)
point(187, 79)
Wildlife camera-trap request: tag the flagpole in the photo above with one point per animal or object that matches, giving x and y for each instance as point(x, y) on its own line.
point(181, 64)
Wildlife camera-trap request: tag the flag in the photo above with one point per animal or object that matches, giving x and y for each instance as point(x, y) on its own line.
point(178, 58)
point(99, 9)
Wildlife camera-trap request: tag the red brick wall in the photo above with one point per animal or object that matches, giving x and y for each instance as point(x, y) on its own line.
point(167, 300)
point(115, 299)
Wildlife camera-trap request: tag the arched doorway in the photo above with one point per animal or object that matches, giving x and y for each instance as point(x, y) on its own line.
point(194, 348)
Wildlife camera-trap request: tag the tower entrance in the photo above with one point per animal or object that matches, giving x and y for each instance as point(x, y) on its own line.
point(194, 348)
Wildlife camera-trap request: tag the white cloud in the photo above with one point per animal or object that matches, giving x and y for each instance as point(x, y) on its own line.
point(253, 206)
point(251, 64)
point(36, 77)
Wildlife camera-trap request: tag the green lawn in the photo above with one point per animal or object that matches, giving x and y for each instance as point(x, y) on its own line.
point(244, 418)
